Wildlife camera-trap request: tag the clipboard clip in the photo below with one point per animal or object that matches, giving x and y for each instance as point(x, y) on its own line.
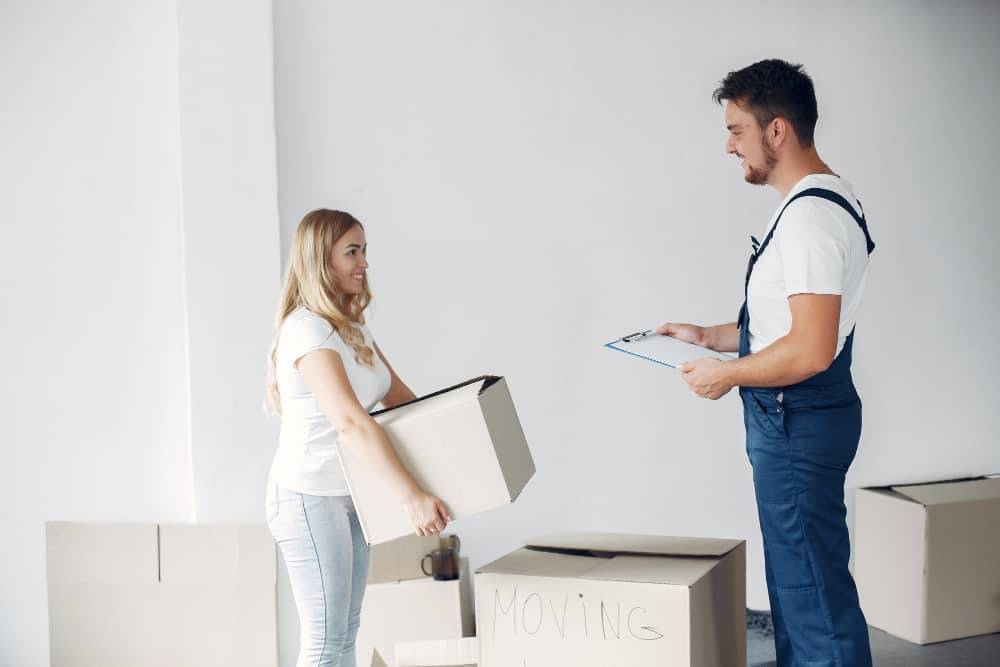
point(635, 336)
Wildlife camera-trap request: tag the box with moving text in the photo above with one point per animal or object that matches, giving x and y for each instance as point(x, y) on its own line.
point(602, 600)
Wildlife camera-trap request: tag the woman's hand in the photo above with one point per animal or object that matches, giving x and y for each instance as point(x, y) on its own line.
point(427, 513)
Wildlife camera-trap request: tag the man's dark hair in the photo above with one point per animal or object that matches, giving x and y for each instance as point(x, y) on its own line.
point(772, 88)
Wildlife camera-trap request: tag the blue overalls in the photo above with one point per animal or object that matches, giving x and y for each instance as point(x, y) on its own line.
point(801, 440)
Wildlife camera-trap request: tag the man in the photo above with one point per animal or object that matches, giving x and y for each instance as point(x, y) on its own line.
point(794, 336)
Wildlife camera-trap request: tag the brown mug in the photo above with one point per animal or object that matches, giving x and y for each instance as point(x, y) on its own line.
point(443, 561)
point(451, 542)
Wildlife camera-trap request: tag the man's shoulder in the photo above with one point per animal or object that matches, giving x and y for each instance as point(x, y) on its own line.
point(815, 203)
point(811, 220)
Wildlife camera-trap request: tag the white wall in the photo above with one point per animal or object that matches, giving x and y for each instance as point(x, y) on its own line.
point(231, 248)
point(138, 273)
point(539, 178)
point(94, 398)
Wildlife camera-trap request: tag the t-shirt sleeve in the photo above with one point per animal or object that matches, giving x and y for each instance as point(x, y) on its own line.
point(305, 334)
point(813, 245)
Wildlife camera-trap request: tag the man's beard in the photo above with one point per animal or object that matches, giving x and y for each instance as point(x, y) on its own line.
point(760, 176)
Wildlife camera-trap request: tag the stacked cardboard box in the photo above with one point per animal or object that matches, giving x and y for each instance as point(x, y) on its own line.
point(439, 653)
point(414, 610)
point(399, 559)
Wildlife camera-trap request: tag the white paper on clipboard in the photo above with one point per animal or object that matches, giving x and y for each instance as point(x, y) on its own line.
point(664, 350)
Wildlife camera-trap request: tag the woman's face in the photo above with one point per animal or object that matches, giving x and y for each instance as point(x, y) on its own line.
point(348, 262)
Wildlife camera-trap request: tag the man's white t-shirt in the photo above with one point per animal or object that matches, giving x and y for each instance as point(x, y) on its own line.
point(818, 248)
point(306, 460)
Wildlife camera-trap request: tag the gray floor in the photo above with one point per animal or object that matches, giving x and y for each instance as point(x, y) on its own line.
point(887, 651)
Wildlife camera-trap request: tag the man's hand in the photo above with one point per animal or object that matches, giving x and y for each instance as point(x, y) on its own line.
point(707, 378)
point(721, 338)
point(689, 333)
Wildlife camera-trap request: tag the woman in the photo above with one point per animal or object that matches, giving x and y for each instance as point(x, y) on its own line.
point(326, 374)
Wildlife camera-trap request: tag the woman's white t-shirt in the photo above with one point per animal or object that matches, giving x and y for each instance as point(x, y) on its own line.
point(818, 248)
point(306, 460)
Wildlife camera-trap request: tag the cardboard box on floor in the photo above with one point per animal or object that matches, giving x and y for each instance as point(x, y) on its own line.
point(399, 559)
point(160, 595)
point(415, 610)
point(464, 444)
point(438, 653)
point(594, 599)
point(927, 558)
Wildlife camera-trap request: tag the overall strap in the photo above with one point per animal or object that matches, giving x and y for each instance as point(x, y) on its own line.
point(822, 193)
point(832, 196)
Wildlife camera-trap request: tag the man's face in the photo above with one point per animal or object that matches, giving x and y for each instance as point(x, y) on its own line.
point(747, 142)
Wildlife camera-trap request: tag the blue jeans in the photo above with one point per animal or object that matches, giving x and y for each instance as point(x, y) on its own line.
point(327, 559)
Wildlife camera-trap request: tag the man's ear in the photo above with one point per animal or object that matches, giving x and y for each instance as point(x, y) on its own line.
point(779, 130)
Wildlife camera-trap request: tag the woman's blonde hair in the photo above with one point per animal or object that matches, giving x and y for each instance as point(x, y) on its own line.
point(310, 282)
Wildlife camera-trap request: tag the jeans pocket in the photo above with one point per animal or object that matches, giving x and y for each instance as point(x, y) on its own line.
point(785, 544)
point(769, 419)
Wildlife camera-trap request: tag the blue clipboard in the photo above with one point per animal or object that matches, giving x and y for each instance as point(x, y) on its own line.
point(664, 350)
